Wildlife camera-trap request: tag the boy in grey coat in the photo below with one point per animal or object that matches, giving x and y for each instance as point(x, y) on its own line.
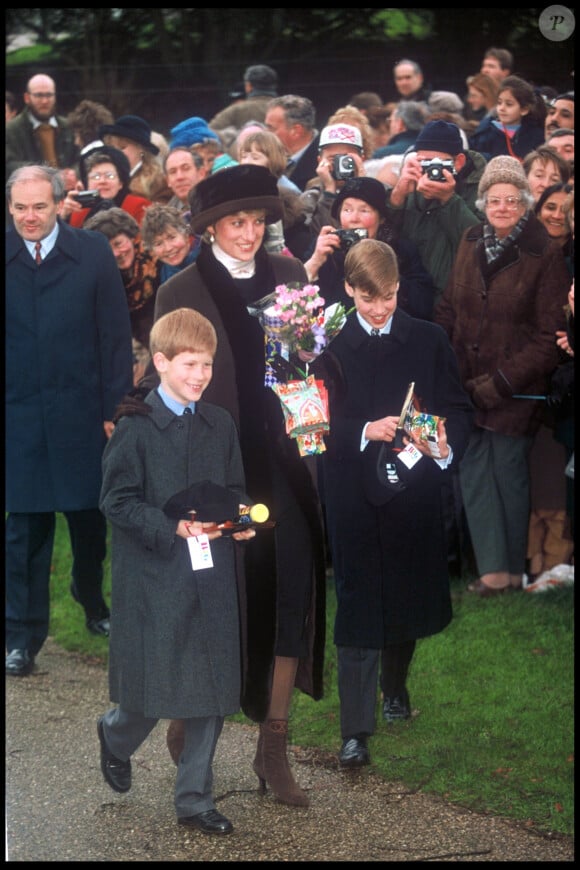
point(175, 625)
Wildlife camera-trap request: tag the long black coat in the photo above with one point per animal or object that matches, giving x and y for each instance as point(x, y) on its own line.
point(389, 559)
point(238, 385)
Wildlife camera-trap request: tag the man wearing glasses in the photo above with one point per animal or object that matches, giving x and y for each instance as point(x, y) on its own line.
point(37, 134)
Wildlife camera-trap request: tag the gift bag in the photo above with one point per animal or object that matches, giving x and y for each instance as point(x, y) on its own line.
point(305, 406)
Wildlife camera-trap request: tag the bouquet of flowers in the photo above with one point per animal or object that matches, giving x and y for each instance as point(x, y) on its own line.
point(297, 329)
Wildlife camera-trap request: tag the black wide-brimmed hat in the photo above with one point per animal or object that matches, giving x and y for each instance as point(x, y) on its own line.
point(238, 188)
point(131, 127)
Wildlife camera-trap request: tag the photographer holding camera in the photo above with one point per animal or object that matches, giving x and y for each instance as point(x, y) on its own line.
point(360, 209)
point(425, 204)
point(427, 209)
point(108, 175)
point(340, 157)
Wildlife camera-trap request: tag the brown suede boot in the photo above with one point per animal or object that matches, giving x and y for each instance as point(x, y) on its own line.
point(258, 763)
point(175, 739)
point(271, 764)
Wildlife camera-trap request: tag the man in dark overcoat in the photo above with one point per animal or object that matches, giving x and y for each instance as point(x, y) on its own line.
point(68, 362)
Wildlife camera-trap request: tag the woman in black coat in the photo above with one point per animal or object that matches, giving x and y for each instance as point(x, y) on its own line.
point(284, 569)
point(385, 520)
point(361, 206)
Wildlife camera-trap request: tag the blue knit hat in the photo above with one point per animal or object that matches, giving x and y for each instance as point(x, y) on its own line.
point(191, 132)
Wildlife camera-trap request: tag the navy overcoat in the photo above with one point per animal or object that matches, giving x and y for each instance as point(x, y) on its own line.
point(389, 558)
point(68, 363)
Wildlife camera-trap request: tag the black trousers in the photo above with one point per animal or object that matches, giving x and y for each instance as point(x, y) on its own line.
point(29, 546)
point(358, 677)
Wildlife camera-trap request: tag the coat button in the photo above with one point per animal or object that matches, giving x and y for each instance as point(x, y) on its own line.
point(475, 347)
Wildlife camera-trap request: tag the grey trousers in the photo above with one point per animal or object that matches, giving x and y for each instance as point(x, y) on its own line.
point(495, 486)
point(125, 732)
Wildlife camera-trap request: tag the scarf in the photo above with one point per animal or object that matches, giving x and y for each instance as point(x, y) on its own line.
point(166, 271)
point(140, 280)
point(509, 131)
point(495, 247)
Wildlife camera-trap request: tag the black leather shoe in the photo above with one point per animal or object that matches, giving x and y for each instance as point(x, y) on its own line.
point(101, 627)
point(354, 752)
point(398, 707)
point(210, 822)
point(117, 773)
point(19, 663)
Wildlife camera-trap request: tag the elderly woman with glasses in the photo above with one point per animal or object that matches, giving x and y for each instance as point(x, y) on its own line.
point(108, 174)
point(501, 308)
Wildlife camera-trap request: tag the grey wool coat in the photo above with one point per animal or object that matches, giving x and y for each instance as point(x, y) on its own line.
point(175, 632)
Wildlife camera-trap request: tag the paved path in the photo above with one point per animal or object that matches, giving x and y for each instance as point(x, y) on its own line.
point(60, 809)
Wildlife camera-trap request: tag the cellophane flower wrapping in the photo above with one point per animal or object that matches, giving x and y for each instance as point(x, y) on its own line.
point(294, 319)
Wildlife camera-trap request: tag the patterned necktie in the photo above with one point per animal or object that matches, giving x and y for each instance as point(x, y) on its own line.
point(46, 135)
point(37, 256)
point(187, 411)
point(375, 331)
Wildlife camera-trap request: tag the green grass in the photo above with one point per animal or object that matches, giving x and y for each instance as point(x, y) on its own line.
point(492, 698)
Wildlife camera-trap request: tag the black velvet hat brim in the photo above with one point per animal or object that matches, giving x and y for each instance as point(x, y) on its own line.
point(238, 188)
point(212, 503)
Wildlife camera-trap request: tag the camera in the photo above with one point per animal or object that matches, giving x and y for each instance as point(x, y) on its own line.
point(434, 167)
point(349, 237)
point(87, 197)
point(343, 166)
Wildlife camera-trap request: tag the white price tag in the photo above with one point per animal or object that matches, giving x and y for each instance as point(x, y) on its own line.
point(410, 455)
point(200, 552)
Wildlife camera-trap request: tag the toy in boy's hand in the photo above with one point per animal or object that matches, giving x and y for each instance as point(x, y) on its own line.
point(249, 518)
point(414, 421)
point(207, 502)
